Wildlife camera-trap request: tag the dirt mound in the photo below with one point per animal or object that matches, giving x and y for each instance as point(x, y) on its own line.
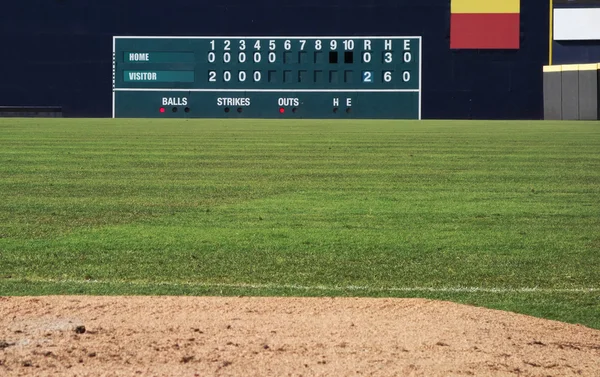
point(245, 336)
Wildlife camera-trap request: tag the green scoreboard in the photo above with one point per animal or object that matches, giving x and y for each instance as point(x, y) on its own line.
point(267, 77)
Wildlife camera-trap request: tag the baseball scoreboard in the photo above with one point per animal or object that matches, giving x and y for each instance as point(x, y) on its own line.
point(267, 77)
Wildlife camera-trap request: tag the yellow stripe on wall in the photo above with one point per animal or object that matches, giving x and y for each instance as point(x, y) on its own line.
point(570, 67)
point(551, 27)
point(485, 6)
point(588, 67)
point(552, 68)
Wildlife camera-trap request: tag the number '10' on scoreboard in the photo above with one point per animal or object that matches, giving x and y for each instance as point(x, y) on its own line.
point(267, 77)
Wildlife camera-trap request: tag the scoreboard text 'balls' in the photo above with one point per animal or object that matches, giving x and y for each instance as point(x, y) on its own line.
point(267, 77)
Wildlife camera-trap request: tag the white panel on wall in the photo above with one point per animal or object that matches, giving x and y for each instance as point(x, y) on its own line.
point(576, 24)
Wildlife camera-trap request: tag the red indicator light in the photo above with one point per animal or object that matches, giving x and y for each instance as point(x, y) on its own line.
point(162, 110)
point(281, 110)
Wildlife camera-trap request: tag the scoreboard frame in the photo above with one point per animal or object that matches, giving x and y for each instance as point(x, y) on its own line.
point(418, 90)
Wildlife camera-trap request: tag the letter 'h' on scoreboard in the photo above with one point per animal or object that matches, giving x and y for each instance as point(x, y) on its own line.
point(267, 77)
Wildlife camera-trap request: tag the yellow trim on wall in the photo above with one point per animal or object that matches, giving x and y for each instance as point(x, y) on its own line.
point(552, 68)
point(588, 67)
point(570, 67)
point(485, 6)
point(551, 28)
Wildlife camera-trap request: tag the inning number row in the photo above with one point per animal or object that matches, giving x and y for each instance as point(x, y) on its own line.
point(348, 45)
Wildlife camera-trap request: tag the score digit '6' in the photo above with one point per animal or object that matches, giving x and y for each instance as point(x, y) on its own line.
point(387, 76)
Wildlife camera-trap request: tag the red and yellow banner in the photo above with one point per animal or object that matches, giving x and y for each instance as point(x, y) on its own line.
point(485, 24)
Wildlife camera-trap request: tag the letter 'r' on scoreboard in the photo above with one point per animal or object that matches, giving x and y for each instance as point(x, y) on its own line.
point(267, 77)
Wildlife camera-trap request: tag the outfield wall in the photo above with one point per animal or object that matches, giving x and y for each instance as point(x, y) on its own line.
point(58, 52)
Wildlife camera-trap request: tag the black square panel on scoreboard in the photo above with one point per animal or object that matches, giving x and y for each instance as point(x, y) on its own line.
point(267, 77)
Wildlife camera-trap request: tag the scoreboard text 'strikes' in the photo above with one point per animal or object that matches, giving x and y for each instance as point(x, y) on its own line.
point(260, 77)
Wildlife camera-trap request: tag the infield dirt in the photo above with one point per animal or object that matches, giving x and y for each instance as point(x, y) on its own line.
point(247, 336)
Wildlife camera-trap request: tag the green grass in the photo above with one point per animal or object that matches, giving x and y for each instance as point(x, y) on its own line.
point(255, 207)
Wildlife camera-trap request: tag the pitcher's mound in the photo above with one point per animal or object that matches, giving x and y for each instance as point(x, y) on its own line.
point(203, 336)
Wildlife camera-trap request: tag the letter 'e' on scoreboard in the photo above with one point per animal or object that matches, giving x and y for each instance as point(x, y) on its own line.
point(267, 77)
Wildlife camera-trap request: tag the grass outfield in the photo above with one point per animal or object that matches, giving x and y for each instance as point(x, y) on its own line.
point(500, 214)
